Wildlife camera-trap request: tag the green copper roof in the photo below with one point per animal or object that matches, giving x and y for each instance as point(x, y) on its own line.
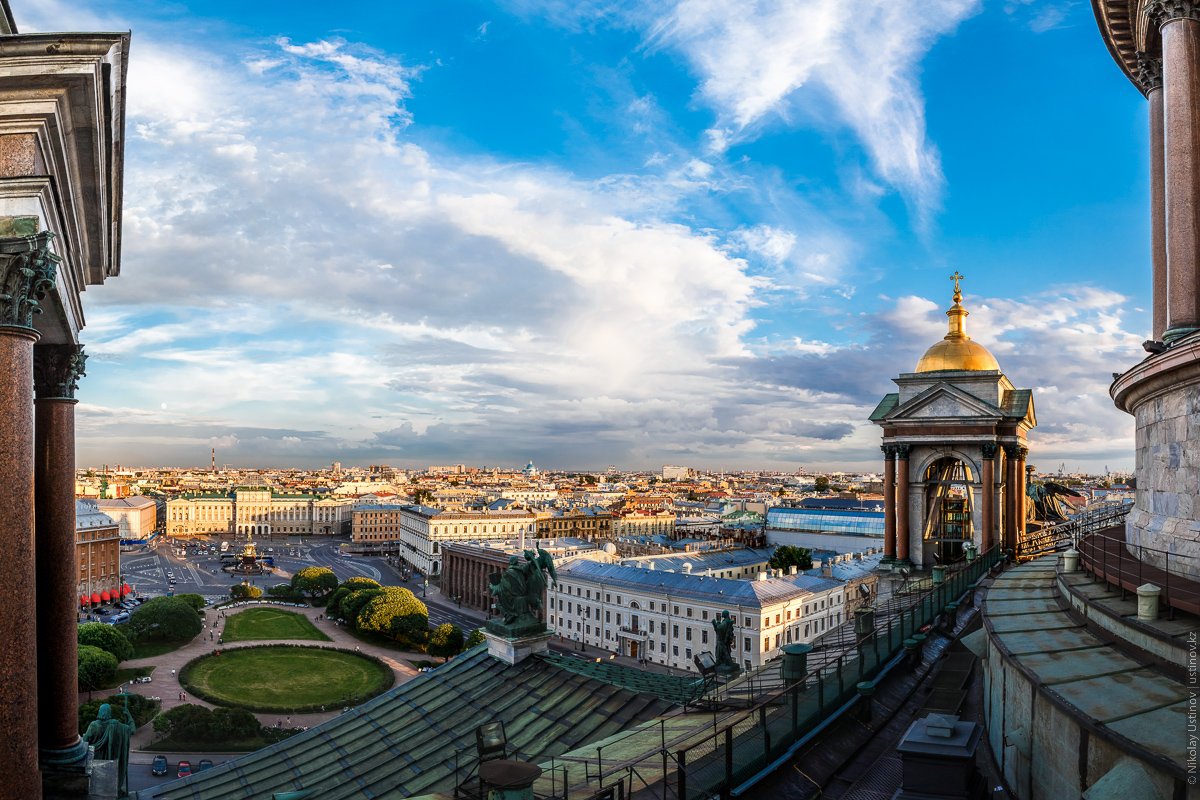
point(675, 689)
point(888, 402)
point(403, 743)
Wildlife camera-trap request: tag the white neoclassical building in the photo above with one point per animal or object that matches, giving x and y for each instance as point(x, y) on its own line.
point(258, 511)
point(418, 531)
point(666, 617)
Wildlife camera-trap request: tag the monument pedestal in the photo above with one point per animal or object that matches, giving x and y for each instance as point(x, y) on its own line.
point(515, 650)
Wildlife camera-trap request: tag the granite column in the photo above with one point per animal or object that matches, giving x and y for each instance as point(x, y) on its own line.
point(1008, 540)
point(1179, 26)
point(889, 505)
point(902, 506)
point(1022, 497)
point(27, 273)
point(57, 369)
point(987, 510)
point(1150, 79)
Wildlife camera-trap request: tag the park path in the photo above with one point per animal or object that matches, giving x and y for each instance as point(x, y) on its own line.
point(165, 676)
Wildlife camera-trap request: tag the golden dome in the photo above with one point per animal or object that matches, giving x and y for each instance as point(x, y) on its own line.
point(956, 351)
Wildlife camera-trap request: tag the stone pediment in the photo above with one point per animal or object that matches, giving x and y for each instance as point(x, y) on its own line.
point(944, 401)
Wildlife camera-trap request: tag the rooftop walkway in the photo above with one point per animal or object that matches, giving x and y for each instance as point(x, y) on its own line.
point(1115, 697)
point(1107, 555)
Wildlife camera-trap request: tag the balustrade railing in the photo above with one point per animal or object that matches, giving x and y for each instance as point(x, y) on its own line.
point(1067, 534)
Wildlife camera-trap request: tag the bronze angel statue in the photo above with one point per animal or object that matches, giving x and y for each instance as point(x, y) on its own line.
point(520, 590)
point(1046, 503)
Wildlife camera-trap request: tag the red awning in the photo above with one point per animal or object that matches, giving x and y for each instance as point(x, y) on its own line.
point(125, 589)
point(105, 596)
point(84, 600)
point(95, 598)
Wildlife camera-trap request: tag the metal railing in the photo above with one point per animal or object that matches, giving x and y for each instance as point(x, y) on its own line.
point(1068, 534)
point(1116, 561)
point(694, 756)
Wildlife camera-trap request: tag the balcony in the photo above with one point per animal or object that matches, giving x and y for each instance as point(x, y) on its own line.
point(630, 631)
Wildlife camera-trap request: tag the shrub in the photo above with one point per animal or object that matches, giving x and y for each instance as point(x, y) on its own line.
point(475, 638)
point(395, 612)
point(164, 619)
point(284, 591)
point(96, 667)
point(360, 582)
point(353, 604)
point(106, 637)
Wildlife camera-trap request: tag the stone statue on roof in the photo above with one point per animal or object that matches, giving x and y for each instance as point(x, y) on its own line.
point(520, 593)
point(723, 647)
point(111, 737)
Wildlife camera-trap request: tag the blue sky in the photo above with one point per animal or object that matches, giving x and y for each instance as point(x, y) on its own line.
point(594, 233)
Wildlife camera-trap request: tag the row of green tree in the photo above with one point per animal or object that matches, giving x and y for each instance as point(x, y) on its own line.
point(164, 619)
point(193, 725)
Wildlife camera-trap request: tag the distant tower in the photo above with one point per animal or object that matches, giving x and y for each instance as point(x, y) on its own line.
point(213, 467)
point(954, 452)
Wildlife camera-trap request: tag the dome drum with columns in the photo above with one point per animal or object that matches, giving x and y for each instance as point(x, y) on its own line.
point(954, 444)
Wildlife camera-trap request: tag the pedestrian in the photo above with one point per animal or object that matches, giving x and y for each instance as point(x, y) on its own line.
point(289, 722)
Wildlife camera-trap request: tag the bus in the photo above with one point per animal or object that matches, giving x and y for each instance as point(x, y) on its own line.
point(225, 546)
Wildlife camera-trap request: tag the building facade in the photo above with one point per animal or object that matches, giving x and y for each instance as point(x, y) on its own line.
point(136, 516)
point(666, 617)
point(97, 554)
point(591, 523)
point(418, 532)
point(258, 512)
point(643, 522)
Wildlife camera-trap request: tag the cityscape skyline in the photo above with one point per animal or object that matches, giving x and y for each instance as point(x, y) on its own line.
point(421, 242)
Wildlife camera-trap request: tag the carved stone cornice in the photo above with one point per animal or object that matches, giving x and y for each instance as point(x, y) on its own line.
point(57, 369)
point(989, 450)
point(27, 273)
point(1163, 11)
point(1149, 72)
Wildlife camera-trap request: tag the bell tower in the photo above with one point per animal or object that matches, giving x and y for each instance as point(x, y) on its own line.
point(954, 448)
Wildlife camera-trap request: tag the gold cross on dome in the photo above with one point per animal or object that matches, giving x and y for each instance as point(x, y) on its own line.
point(956, 277)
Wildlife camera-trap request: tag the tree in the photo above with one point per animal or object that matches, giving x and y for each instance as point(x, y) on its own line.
point(787, 555)
point(194, 600)
point(422, 496)
point(360, 582)
point(445, 641)
point(353, 603)
point(315, 582)
point(283, 591)
point(141, 707)
point(96, 667)
point(107, 638)
point(822, 483)
point(394, 603)
point(164, 619)
point(475, 638)
point(244, 591)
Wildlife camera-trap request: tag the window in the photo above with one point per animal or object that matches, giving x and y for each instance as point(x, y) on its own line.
point(675, 631)
point(676, 611)
point(704, 614)
point(589, 594)
point(607, 617)
point(662, 647)
point(675, 650)
point(689, 611)
point(766, 643)
point(745, 645)
point(688, 634)
point(704, 636)
point(747, 623)
point(607, 597)
point(689, 656)
point(662, 628)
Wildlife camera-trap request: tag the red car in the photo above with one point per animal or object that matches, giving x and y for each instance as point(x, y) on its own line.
point(185, 769)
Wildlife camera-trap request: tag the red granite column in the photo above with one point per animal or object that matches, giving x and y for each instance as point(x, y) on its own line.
point(889, 505)
point(902, 506)
point(1150, 78)
point(1009, 540)
point(26, 274)
point(1180, 29)
point(1022, 508)
point(988, 492)
point(57, 368)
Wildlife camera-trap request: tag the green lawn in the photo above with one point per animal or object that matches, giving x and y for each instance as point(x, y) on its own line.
point(269, 623)
point(285, 679)
point(125, 675)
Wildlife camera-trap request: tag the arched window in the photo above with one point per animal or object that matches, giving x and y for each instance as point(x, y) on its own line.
point(948, 504)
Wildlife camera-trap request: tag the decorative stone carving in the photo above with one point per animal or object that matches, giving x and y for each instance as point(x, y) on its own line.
point(1015, 452)
point(988, 450)
point(1149, 72)
point(902, 451)
point(57, 369)
point(889, 452)
point(27, 272)
point(1163, 11)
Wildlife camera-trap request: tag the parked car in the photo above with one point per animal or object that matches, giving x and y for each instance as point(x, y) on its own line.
point(159, 766)
point(142, 679)
point(205, 763)
point(185, 769)
point(119, 618)
point(104, 612)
